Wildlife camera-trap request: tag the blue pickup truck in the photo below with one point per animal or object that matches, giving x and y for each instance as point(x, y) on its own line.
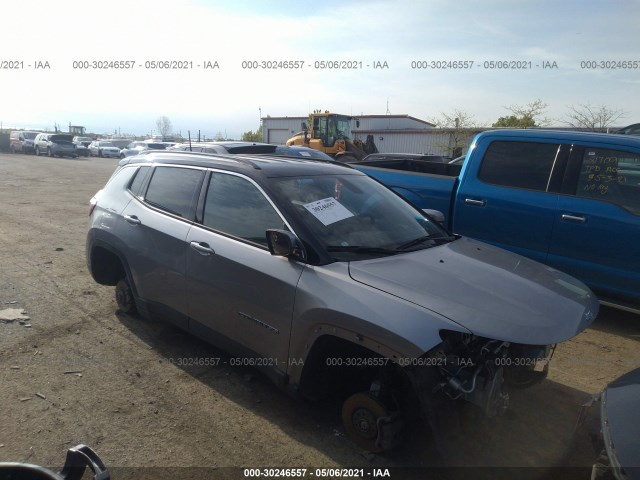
point(568, 199)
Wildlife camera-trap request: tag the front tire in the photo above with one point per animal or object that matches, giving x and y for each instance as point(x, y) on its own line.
point(360, 414)
point(124, 297)
point(38, 151)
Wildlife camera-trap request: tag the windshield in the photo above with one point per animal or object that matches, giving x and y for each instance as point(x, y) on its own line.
point(343, 127)
point(353, 215)
point(30, 135)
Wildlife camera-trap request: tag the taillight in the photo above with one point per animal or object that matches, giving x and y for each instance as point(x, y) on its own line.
point(92, 205)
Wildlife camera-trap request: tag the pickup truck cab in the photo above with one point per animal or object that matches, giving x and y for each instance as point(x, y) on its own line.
point(568, 199)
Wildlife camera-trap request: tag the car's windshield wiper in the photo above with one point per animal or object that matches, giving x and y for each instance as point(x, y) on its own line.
point(361, 249)
point(419, 240)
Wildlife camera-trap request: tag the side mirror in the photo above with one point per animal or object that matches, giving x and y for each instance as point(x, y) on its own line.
point(436, 215)
point(283, 243)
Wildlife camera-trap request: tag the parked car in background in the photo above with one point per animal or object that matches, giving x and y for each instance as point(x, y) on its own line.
point(102, 148)
point(134, 148)
point(409, 162)
point(630, 130)
point(331, 284)
point(82, 145)
point(55, 144)
point(82, 140)
point(399, 157)
point(610, 419)
point(22, 141)
point(229, 147)
point(304, 152)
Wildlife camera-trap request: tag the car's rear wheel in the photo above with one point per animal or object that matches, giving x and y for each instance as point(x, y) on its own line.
point(38, 151)
point(124, 297)
point(99, 153)
point(360, 414)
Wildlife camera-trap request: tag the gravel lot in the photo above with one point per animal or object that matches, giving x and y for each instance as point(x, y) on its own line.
point(80, 373)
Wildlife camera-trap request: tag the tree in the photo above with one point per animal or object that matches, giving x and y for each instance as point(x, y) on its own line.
point(250, 136)
point(163, 124)
point(525, 116)
point(460, 125)
point(515, 122)
point(219, 137)
point(592, 117)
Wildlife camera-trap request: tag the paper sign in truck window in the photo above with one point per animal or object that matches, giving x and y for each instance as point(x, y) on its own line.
point(328, 210)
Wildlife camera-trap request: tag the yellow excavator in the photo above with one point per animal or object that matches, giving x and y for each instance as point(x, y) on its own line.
point(331, 133)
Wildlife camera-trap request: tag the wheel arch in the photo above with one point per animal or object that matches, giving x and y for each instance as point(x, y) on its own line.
point(107, 266)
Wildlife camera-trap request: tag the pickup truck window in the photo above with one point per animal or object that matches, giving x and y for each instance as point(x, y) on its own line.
point(611, 176)
point(519, 164)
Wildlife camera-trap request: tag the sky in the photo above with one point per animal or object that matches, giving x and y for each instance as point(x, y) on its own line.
point(579, 41)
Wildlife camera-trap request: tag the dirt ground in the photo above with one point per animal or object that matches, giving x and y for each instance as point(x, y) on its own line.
point(77, 372)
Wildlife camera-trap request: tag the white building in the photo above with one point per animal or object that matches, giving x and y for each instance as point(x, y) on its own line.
point(391, 133)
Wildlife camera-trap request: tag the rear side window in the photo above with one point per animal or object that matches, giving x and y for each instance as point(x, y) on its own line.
point(174, 189)
point(138, 180)
point(611, 176)
point(519, 164)
point(236, 207)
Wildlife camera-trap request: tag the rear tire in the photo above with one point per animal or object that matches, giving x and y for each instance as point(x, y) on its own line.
point(124, 297)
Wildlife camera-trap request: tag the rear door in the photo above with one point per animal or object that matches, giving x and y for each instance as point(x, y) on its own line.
point(154, 228)
point(596, 236)
point(508, 198)
point(236, 289)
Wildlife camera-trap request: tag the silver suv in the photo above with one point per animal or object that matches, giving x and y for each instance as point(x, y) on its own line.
point(55, 144)
point(324, 278)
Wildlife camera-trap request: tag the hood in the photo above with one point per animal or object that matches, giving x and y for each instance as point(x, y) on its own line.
point(620, 427)
point(489, 291)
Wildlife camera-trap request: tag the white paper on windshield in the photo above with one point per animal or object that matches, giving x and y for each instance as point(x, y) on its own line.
point(328, 210)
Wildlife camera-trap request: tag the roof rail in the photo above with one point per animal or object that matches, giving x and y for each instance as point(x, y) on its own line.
point(236, 158)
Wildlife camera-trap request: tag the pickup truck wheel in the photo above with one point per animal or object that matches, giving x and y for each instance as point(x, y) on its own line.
point(124, 297)
point(360, 414)
point(49, 152)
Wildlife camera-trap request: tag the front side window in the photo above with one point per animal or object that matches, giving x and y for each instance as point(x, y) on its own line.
point(519, 164)
point(174, 189)
point(611, 176)
point(236, 207)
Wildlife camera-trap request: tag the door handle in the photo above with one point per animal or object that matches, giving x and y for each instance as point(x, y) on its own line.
point(475, 203)
point(202, 248)
point(132, 219)
point(573, 218)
